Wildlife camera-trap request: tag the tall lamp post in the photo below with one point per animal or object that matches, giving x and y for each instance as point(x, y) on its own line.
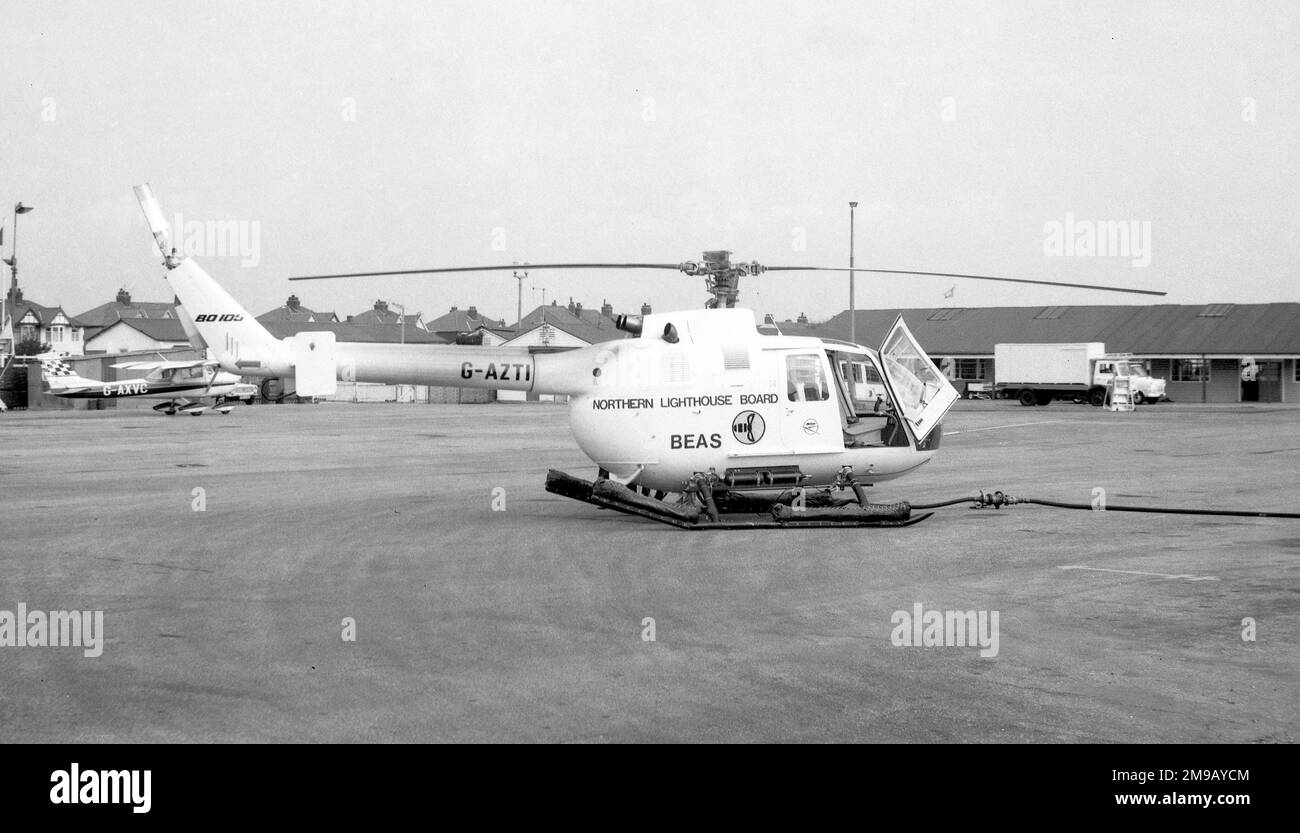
point(853, 316)
point(12, 260)
point(6, 311)
point(519, 303)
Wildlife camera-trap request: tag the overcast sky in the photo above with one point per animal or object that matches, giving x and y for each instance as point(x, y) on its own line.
point(344, 137)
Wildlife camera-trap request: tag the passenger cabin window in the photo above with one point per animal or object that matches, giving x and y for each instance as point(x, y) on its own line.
point(180, 375)
point(864, 383)
point(805, 379)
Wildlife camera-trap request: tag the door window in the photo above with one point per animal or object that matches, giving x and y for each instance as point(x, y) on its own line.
point(805, 378)
point(923, 394)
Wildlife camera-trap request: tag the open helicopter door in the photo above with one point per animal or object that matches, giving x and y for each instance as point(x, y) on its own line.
point(922, 394)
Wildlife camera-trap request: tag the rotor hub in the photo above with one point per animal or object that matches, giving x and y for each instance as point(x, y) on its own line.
point(721, 276)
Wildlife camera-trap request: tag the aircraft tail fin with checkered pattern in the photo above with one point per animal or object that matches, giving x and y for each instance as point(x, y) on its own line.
point(60, 375)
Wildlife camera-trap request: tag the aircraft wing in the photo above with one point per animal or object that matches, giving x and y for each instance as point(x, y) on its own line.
point(162, 365)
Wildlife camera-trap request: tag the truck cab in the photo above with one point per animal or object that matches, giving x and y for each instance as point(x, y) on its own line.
point(1145, 388)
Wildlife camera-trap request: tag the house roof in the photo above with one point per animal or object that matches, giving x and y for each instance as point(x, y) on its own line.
point(463, 321)
point(105, 314)
point(158, 329)
point(284, 312)
point(381, 315)
point(588, 324)
point(1153, 329)
point(43, 313)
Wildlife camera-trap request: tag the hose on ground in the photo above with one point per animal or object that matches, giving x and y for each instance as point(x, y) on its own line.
point(996, 500)
point(952, 502)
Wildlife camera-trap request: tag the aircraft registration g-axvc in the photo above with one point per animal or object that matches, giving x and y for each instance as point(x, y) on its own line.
point(700, 405)
point(176, 382)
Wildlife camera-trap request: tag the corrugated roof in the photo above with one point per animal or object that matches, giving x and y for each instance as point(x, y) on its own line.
point(1155, 329)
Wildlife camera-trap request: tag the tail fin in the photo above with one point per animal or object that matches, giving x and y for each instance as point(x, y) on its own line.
point(60, 375)
point(237, 340)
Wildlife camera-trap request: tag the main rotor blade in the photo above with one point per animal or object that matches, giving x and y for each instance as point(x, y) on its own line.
point(954, 275)
point(523, 267)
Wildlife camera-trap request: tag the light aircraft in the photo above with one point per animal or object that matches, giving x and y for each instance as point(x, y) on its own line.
point(740, 428)
point(181, 384)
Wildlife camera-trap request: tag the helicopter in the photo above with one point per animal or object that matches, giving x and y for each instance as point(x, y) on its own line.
point(698, 420)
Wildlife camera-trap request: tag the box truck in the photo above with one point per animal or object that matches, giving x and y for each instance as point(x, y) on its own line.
point(1036, 374)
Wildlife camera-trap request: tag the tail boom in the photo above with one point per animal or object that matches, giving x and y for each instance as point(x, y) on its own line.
point(235, 339)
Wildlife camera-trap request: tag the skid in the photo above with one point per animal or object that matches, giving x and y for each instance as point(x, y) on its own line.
point(610, 495)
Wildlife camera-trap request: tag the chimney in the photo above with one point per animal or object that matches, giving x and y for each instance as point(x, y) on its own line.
point(124, 297)
point(577, 309)
point(645, 309)
point(607, 309)
point(381, 306)
point(802, 319)
point(473, 312)
point(570, 303)
point(453, 308)
point(767, 319)
point(293, 303)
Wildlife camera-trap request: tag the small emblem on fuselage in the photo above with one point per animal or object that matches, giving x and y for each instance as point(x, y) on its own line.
point(748, 427)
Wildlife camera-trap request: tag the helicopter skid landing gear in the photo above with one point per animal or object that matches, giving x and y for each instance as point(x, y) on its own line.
point(689, 514)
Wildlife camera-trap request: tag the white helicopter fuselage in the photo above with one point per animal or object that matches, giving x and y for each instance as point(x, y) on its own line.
point(753, 409)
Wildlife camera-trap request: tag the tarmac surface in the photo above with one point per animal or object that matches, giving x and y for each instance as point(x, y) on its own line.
point(529, 624)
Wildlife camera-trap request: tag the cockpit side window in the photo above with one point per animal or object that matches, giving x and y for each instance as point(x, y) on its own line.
point(805, 378)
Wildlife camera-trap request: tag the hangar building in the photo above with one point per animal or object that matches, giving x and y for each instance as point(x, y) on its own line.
point(1198, 349)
